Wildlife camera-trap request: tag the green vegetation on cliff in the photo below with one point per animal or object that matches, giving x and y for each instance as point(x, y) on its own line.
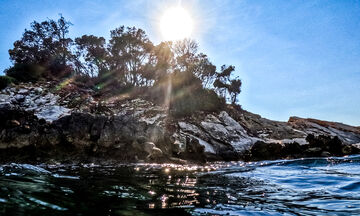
point(172, 73)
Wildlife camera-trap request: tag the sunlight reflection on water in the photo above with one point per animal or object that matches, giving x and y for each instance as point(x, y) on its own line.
point(303, 186)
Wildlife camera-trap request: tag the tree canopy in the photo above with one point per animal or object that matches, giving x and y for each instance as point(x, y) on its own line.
point(46, 48)
point(128, 58)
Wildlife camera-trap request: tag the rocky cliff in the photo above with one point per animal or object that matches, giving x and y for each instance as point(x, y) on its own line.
point(62, 122)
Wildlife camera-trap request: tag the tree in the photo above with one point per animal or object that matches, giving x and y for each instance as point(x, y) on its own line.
point(130, 51)
point(91, 55)
point(163, 60)
point(185, 53)
point(204, 70)
point(188, 95)
point(226, 86)
point(234, 89)
point(128, 60)
point(45, 45)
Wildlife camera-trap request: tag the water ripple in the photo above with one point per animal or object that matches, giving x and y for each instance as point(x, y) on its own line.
point(313, 186)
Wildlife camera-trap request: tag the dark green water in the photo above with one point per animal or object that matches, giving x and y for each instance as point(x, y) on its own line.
point(296, 187)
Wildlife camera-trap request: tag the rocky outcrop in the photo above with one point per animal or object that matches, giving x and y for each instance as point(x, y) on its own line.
point(346, 133)
point(40, 122)
point(317, 146)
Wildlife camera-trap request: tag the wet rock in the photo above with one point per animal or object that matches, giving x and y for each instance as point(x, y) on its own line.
point(228, 154)
point(292, 150)
point(350, 149)
point(313, 152)
point(325, 154)
point(266, 151)
point(331, 144)
point(194, 151)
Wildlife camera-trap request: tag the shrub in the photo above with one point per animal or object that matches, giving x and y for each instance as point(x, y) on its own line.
point(188, 96)
point(5, 81)
point(85, 81)
point(25, 72)
point(201, 100)
point(56, 69)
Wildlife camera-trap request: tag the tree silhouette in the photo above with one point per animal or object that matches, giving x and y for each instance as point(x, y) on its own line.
point(226, 86)
point(91, 55)
point(45, 46)
point(130, 51)
point(129, 60)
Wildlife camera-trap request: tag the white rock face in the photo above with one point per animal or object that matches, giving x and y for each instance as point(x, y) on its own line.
point(208, 147)
point(243, 143)
point(357, 145)
point(230, 122)
point(343, 132)
point(190, 128)
point(301, 141)
point(23, 91)
point(4, 98)
point(32, 99)
point(152, 120)
point(52, 112)
point(217, 131)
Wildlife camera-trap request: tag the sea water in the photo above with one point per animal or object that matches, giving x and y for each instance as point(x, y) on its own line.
point(312, 186)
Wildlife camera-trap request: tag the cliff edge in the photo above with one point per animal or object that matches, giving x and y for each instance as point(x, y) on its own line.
point(57, 122)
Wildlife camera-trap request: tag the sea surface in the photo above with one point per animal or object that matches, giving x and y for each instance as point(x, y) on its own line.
point(313, 186)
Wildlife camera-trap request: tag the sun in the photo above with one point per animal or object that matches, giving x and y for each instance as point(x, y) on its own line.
point(176, 24)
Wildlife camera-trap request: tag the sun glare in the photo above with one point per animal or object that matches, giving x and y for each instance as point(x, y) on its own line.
point(176, 24)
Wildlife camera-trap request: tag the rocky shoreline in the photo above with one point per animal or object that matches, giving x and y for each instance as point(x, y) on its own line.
point(61, 122)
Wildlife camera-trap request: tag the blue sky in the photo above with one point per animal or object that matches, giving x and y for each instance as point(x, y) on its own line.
point(295, 58)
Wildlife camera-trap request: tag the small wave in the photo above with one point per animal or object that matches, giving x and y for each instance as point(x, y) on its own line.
point(312, 186)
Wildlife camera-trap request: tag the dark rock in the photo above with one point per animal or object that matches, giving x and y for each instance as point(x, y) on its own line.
point(125, 133)
point(350, 149)
point(20, 98)
point(75, 129)
point(266, 151)
point(313, 152)
point(228, 155)
point(13, 123)
point(6, 105)
point(42, 121)
point(292, 150)
point(333, 145)
point(325, 154)
point(194, 151)
point(97, 127)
